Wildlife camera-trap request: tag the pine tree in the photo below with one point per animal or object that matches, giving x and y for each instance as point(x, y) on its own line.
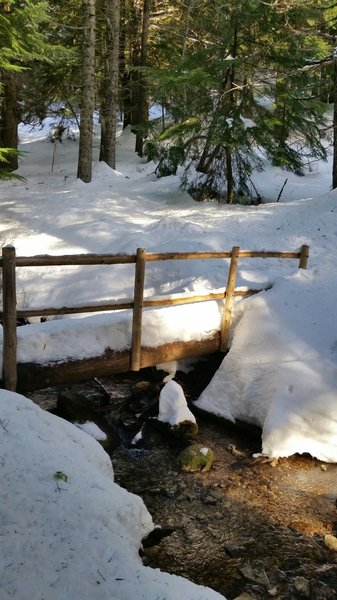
point(238, 83)
point(84, 169)
point(21, 42)
point(110, 82)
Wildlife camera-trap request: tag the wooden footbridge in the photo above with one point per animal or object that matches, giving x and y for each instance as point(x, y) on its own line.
point(29, 376)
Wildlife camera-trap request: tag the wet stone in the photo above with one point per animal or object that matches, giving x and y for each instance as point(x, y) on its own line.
point(302, 585)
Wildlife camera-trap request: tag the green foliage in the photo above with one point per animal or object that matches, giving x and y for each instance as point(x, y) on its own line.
point(240, 80)
point(21, 35)
point(170, 160)
point(5, 155)
point(60, 476)
point(25, 46)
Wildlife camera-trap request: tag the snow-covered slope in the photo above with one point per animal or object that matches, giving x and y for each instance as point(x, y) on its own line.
point(281, 368)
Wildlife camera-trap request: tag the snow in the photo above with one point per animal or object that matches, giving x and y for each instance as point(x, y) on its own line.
point(84, 532)
point(173, 407)
point(92, 429)
point(67, 530)
point(90, 336)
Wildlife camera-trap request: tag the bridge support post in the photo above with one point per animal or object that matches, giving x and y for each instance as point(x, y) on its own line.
point(229, 298)
point(136, 339)
point(9, 368)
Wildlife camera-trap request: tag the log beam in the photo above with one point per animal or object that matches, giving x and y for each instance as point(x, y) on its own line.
point(34, 376)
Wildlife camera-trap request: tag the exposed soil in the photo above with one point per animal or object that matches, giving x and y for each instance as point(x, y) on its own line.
point(245, 526)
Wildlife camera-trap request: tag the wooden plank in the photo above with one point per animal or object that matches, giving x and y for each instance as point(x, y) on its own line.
point(138, 297)
point(226, 322)
point(34, 376)
point(180, 350)
point(9, 318)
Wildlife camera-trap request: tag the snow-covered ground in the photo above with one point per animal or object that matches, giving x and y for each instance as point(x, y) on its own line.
point(280, 372)
point(67, 530)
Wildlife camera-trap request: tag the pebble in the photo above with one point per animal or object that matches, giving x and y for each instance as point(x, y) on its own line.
point(302, 585)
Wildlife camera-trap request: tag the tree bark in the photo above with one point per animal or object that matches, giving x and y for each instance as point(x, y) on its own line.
point(229, 176)
point(109, 91)
point(9, 119)
point(334, 92)
point(142, 99)
point(84, 171)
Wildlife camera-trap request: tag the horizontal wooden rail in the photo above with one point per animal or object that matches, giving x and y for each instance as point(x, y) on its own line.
point(128, 304)
point(115, 259)
point(74, 260)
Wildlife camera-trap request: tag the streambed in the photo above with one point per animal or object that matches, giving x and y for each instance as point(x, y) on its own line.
point(245, 527)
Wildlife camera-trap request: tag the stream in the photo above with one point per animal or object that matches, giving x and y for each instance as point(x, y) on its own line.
point(248, 528)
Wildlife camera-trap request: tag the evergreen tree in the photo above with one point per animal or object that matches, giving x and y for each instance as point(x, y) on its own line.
point(84, 169)
point(238, 83)
point(137, 17)
point(110, 81)
point(21, 42)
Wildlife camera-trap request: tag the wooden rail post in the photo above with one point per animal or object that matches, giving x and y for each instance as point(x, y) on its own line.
point(136, 339)
point(226, 322)
point(9, 369)
point(304, 255)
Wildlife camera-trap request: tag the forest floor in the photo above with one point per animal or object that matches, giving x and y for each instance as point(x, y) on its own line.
point(248, 528)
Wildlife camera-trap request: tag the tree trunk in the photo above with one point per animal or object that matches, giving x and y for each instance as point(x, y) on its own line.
point(334, 92)
point(229, 176)
point(142, 100)
point(129, 56)
point(281, 126)
point(109, 91)
point(9, 119)
point(84, 170)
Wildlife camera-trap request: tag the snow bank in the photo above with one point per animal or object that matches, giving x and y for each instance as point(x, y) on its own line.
point(173, 407)
point(67, 530)
point(281, 371)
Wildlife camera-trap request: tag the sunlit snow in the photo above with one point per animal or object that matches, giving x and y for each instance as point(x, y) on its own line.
point(76, 534)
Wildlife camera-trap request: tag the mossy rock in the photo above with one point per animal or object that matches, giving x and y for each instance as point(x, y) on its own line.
point(184, 429)
point(196, 457)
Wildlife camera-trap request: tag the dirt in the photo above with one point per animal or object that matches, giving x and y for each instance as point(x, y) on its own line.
point(247, 526)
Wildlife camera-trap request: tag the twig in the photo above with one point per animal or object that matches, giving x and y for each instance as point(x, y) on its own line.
point(4, 423)
point(282, 188)
point(103, 388)
point(53, 159)
point(59, 488)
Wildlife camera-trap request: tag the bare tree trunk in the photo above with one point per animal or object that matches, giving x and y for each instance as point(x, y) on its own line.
point(84, 170)
point(229, 176)
point(9, 119)
point(142, 101)
point(109, 91)
point(129, 54)
point(334, 93)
